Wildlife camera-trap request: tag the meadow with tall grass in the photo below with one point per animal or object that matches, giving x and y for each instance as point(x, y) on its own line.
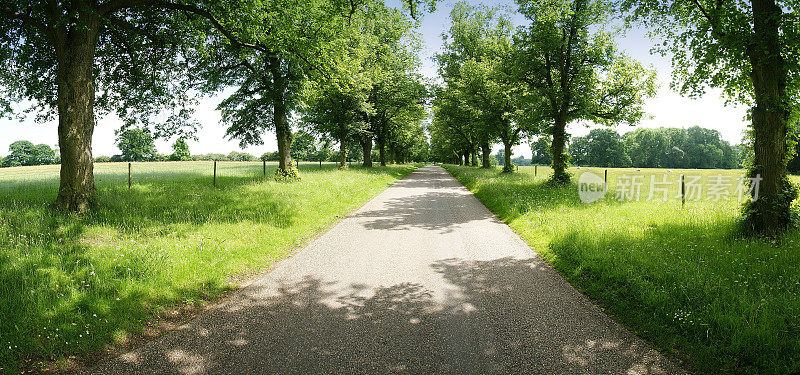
point(70, 286)
point(679, 276)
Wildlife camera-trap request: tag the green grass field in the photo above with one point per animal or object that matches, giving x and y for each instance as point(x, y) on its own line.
point(680, 277)
point(70, 286)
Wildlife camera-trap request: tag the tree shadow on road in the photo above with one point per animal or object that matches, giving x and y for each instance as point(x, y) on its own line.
point(499, 318)
point(436, 202)
point(441, 211)
point(97, 279)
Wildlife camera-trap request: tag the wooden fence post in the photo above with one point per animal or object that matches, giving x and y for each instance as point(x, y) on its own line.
point(215, 173)
point(130, 177)
point(683, 191)
point(535, 167)
point(605, 177)
point(264, 167)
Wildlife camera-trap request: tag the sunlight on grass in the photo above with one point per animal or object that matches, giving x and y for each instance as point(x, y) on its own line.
point(678, 276)
point(71, 285)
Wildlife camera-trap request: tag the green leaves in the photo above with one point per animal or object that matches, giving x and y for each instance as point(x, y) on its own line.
point(478, 99)
point(709, 42)
point(21, 153)
point(579, 71)
point(136, 145)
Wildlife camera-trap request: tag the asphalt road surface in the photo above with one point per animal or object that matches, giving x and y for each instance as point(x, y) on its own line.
point(421, 280)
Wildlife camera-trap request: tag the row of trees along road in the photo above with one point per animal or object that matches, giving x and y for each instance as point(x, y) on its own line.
point(377, 93)
point(149, 59)
point(503, 85)
point(570, 70)
point(308, 57)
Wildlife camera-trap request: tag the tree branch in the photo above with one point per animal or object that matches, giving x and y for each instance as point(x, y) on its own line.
point(122, 24)
point(26, 19)
point(714, 22)
point(113, 6)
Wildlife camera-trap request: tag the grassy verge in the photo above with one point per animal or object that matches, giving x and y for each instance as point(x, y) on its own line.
point(677, 276)
point(70, 286)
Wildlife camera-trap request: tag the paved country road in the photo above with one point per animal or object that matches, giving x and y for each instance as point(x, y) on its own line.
point(421, 280)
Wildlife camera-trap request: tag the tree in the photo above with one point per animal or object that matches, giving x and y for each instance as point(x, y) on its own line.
point(397, 94)
point(180, 150)
point(61, 54)
point(501, 157)
point(44, 155)
point(455, 123)
point(705, 149)
point(21, 153)
point(573, 72)
point(397, 100)
point(539, 151)
point(334, 110)
point(677, 140)
point(605, 149)
point(446, 145)
point(240, 156)
point(649, 148)
point(269, 73)
point(303, 146)
point(136, 145)
point(371, 91)
point(578, 151)
point(749, 50)
point(324, 151)
point(794, 164)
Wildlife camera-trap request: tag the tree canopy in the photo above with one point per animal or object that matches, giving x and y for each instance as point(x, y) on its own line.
point(23, 153)
point(136, 145)
point(180, 150)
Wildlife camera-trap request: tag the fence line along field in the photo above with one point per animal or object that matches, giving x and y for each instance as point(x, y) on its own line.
point(70, 285)
point(681, 277)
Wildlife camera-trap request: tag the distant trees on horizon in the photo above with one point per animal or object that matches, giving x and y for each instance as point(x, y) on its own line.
point(25, 153)
point(693, 148)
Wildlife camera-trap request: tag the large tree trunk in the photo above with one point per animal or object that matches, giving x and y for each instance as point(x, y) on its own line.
point(770, 214)
point(283, 130)
point(366, 146)
point(466, 157)
point(76, 95)
point(557, 150)
point(284, 135)
point(486, 151)
point(392, 156)
point(342, 152)
point(508, 166)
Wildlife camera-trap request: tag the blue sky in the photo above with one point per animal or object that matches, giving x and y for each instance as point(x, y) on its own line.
point(667, 108)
